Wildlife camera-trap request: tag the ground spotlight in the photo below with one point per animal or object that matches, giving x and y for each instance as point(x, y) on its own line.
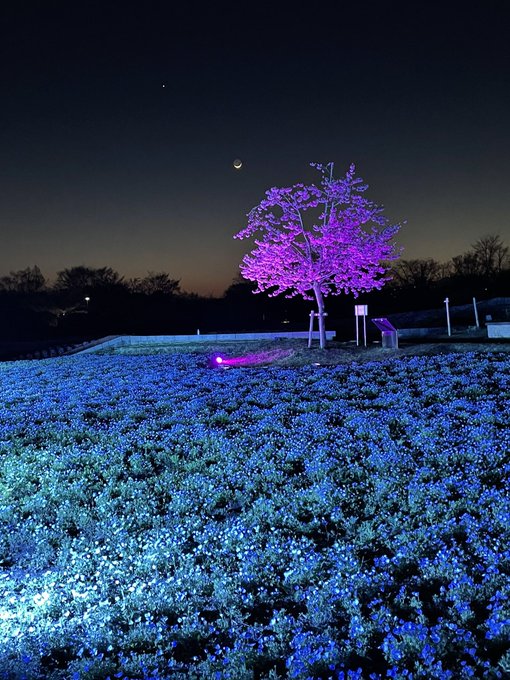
point(218, 361)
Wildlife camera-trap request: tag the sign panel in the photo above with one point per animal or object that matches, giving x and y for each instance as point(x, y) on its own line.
point(383, 325)
point(360, 310)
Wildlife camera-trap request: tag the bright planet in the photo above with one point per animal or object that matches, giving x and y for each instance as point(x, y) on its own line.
point(238, 164)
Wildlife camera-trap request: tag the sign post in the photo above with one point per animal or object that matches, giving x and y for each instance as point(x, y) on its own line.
point(361, 310)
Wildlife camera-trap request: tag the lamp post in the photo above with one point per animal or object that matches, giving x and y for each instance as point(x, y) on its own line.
point(447, 303)
point(87, 300)
point(476, 313)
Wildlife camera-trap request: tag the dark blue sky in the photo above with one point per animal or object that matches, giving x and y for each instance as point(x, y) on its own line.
point(101, 165)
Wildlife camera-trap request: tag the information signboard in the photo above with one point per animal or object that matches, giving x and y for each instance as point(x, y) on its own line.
point(388, 332)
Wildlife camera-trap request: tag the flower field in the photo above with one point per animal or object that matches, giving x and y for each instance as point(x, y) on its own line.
point(162, 519)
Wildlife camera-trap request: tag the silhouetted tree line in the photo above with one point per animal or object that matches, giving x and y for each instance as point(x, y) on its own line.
point(482, 272)
point(85, 302)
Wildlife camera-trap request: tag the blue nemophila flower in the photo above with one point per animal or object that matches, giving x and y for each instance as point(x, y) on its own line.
point(350, 523)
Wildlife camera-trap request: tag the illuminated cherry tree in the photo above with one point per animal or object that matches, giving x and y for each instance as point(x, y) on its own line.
point(318, 240)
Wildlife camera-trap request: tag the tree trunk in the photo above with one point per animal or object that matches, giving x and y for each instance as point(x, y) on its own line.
point(320, 309)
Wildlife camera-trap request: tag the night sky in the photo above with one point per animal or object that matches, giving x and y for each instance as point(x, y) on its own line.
point(120, 121)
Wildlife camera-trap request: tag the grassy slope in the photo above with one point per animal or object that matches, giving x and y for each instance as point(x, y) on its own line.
point(298, 354)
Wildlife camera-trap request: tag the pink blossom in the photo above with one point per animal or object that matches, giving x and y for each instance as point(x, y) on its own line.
point(316, 241)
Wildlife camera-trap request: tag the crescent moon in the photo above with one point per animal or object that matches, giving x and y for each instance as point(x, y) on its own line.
point(238, 164)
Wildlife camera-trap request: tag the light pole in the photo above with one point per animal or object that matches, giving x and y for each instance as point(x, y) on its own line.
point(447, 303)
